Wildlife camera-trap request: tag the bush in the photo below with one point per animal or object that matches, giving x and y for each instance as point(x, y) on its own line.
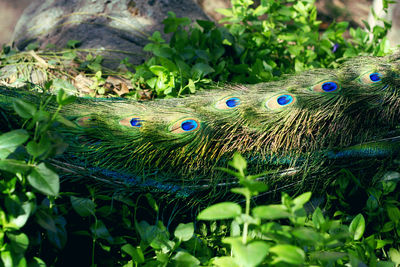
point(253, 45)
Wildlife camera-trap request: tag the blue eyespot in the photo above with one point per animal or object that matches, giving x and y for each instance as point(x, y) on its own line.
point(278, 102)
point(232, 102)
point(185, 125)
point(371, 78)
point(326, 86)
point(375, 77)
point(329, 86)
point(189, 125)
point(284, 100)
point(136, 122)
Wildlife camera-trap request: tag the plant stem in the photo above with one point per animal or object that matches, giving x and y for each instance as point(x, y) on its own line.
point(246, 224)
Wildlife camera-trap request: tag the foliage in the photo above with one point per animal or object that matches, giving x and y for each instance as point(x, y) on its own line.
point(284, 235)
point(29, 186)
point(253, 45)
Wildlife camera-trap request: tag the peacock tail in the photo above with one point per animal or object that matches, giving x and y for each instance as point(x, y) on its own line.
point(304, 127)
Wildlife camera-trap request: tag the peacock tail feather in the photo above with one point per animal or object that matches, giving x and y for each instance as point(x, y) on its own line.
point(301, 128)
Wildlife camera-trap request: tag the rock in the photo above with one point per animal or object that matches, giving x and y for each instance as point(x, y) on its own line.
point(113, 28)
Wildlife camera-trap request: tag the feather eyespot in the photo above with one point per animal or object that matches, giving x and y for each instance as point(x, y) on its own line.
point(136, 122)
point(228, 103)
point(371, 77)
point(132, 122)
point(84, 121)
point(185, 125)
point(280, 101)
point(326, 86)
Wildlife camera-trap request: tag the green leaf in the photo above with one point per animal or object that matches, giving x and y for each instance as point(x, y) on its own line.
point(224, 262)
point(328, 255)
point(66, 122)
point(45, 219)
point(308, 235)
point(14, 166)
point(11, 140)
point(73, 43)
point(200, 70)
point(37, 262)
point(184, 232)
point(147, 232)
point(19, 242)
point(301, 200)
point(381, 243)
point(271, 212)
point(152, 202)
point(37, 149)
point(100, 230)
point(220, 211)
point(389, 182)
point(248, 255)
point(244, 191)
point(288, 253)
point(239, 163)
point(191, 86)
point(63, 98)
point(44, 180)
point(11, 259)
point(384, 264)
point(67, 87)
point(357, 227)
point(18, 212)
point(41, 116)
point(254, 186)
point(318, 218)
point(32, 46)
point(388, 226)
point(206, 24)
point(24, 109)
point(156, 37)
point(394, 255)
point(394, 213)
point(225, 11)
point(135, 253)
point(158, 70)
point(172, 22)
point(58, 238)
point(83, 206)
point(184, 259)
point(163, 52)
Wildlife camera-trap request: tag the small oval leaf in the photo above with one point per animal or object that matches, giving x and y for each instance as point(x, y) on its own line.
point(24, 109)
point(357, 226)
point(271, 212)
point(220, 211)
point(184, 232)
point(44, 180)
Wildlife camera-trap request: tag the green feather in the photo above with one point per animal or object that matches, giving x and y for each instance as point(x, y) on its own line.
point(307, 121)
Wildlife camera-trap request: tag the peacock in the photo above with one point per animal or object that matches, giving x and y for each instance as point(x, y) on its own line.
point(300, 130)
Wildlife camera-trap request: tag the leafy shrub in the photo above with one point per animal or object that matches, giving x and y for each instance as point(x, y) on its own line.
point(27, 179)
point(284, 235)
point(253, 45)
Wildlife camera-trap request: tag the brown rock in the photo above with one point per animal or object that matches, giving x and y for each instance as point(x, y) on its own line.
point(113, 28)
